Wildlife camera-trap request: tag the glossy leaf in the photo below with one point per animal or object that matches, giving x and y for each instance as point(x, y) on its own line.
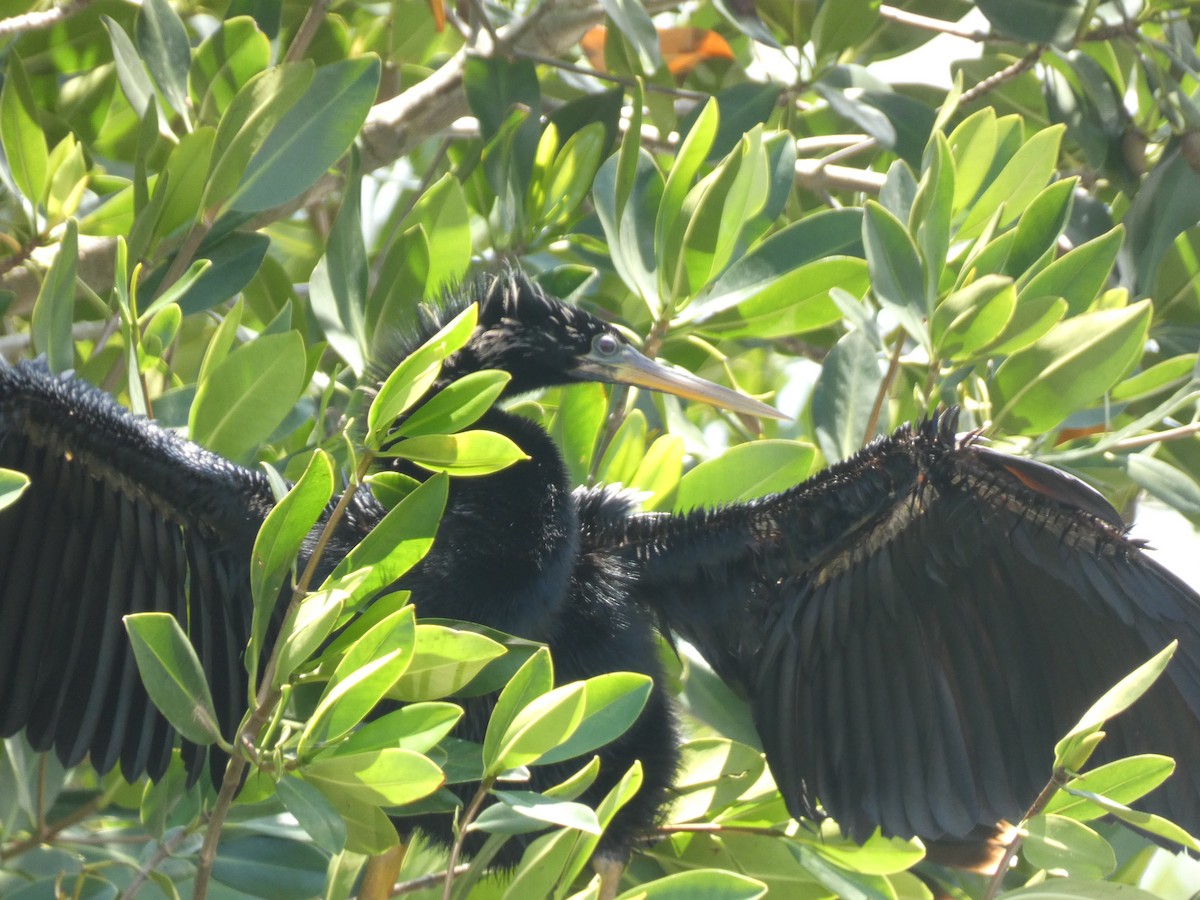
point(744, 472)
point(53, 312)
point(313, 812)
point(389, 777)
point(21, 134)
point(445, 661)
point(464, 454)
point(245, 398)
point(1071, 366)
point(172, 675)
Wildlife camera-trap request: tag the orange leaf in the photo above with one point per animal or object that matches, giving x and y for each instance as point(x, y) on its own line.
point(682, 48)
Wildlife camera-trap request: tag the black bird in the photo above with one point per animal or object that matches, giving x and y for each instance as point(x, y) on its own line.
point(914, 628)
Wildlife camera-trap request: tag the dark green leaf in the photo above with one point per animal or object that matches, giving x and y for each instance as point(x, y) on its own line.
point(311, 135)
point(315, 814)
point(270, 867)
point(1035, 21)
point(162, 42)
point(843, 396)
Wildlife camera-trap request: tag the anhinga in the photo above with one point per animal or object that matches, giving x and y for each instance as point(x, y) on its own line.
point(914, 628)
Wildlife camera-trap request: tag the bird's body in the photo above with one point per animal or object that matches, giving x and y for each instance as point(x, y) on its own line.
point(914, 628)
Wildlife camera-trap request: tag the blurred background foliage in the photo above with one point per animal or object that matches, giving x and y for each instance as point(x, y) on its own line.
point(857, 210)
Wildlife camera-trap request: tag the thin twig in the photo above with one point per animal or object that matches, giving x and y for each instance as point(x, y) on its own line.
point(165, 849)
point(928, 23)
point(1008, 73)
point(1145, 440)
point(469, 815)
point(885, 388)
point(428, 881)
point(308, 30)
point(47, 833)
point(33, 21)
point(1057, 780)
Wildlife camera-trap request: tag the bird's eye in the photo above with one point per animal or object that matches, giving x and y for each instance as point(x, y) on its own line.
point(605, 344)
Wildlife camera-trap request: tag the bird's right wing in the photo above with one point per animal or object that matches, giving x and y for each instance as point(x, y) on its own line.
point(915, 628)
point(120, 517)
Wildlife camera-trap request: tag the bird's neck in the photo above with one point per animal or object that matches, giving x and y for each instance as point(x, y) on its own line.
point(506, 546)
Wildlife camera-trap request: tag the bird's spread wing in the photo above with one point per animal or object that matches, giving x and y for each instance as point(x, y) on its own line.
point(916, 627)
point(120, 517)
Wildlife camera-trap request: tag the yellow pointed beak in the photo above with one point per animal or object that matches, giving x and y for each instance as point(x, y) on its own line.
point(628, 366)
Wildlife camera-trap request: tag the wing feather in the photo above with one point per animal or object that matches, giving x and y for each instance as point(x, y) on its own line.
point(916, 627)
point(120, 517)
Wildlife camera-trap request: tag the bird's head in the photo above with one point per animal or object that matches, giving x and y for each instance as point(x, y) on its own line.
point(542, 341)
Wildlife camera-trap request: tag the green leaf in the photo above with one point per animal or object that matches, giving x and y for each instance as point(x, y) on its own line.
point(531, 681)
point(1036, 21)
point(368, 829)
point(627, 212)
point(310, 136)
point(716, 211)
point(1070, 367)
point(520, 812)
point(131, 73)
point(389, 777)
point(896, 273)
point(611, 704)
point(634, 23)
point(744, 472)
point(1164, 481)
point(802, 246)
point(1019, 182)
point(1122, 780)
point(21, 133)
point(279, 541)
point(270, 867)
point(840, 26)
point(693, 150)
point(659, 471)
point(364, 676)
point(12, 486)
point(457, 405)
point(1055, 842)
point(713, 773)
point(172, 675)
point(443, 216)
point(796, 302)
point(338, 284)
point(464, 454)
point(1031, 319)
point(445, 660)
point(1143, 821)
point(1081, 888)
point(54, 309)
point(698, 884)
point(250, 117)
point(1166, 375)
point(1116, 700)
point(235, 260)
point(315, 618)
point(398, 542)
point(417, 727)
point(570, 176)
point(413, 378)
point(973, 317)
point(843, 396)
point(545, 722)
point(223, 63)
point(933, 209)
point(1040, 226)
point(162, 42)
point(249, 394)
point(314, 813)
point(1079, 275)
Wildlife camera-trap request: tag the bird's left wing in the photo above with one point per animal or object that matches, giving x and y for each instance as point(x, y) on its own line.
point(120, 517)
point(916, 627)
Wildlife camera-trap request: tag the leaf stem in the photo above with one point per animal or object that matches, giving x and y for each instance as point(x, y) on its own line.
point(1057, 779)
point(460, 836)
